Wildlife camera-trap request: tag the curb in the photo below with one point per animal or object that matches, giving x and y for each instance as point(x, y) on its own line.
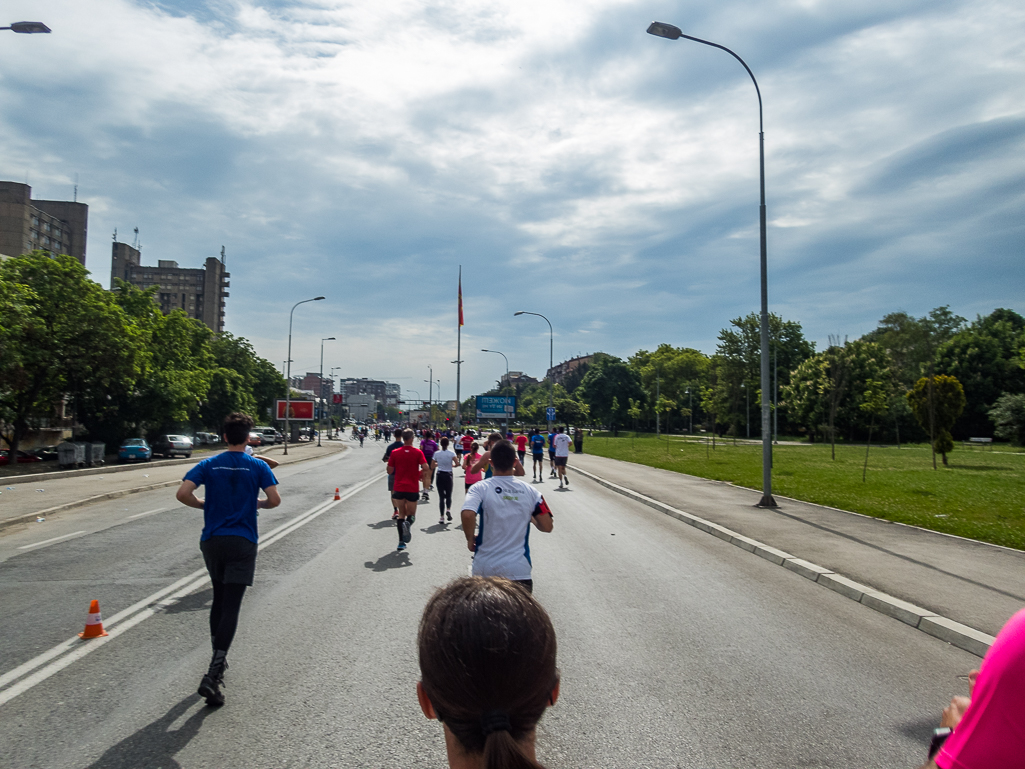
point(28, 517)
point(963, 637)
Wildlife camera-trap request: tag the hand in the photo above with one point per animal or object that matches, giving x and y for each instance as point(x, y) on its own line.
point(471, 546)
point(954, 712)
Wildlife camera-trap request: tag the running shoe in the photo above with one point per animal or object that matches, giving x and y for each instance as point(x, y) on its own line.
point(394, 514)
point(401, 547)
point(441, 521)
point(407, 530)
point(566, 478)
point(210, 686)
point(449, 514)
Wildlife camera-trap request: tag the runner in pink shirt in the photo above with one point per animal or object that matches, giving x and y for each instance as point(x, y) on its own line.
point(991, 732)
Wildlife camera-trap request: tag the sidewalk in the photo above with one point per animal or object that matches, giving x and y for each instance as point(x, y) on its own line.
point(973, 583)
point(47, 495)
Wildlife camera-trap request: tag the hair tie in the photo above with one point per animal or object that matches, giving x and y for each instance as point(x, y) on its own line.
point(495, 721)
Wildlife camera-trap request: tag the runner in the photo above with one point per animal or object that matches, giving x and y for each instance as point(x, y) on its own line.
point(233, 481)
point(562, 442)
point(521, 446)
point(408, 466)
point(428, 446)
point(391, 478)
point(507, 507)
point(444, 461)
point(484, 463)
point(469, 458)
point(551, 452)
point(537, 451)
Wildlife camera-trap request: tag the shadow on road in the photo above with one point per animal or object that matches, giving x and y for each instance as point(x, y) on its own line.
point(438, 527)
point(386, 524)
point(394, 560)
point(920, 730)
point(195, 602)
point(155, 745)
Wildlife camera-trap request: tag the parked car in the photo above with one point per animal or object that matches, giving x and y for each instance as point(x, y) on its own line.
point(134, 449)
point(23, 457)
point(255, 439)
point(207, 439)
point(270, 435)
point(45, 453)
point(173, 445)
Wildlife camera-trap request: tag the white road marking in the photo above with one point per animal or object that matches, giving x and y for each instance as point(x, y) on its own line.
point(148, 512)
point(75, 648)
point(51, 540)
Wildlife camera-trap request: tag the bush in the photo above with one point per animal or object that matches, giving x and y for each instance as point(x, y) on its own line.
point(1008, 414)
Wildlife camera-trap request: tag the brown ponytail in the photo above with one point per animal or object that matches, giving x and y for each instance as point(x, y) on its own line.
point(487, 661)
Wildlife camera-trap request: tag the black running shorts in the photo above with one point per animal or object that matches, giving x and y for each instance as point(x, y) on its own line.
point(560, 461)
point(539, 457)
point(409, 496)
point(230, 560)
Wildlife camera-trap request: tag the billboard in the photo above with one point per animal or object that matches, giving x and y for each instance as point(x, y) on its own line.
point(496, 407)
point(301, 411)
point(337, 398)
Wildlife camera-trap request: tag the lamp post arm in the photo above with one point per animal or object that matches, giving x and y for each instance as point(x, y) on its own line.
point(742, 62)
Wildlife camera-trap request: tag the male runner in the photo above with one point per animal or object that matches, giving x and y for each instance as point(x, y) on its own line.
point(391, 479)
point(428, 446)
point(537, 451)
point(562, 442)
point(521, 446)
point(408, 466)
point(233, 480)
point(551, 452)
point(507, 507)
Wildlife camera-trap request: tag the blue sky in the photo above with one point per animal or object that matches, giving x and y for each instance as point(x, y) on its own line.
point(571, 163)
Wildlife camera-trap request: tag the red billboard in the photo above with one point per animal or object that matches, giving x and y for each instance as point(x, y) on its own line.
point(299, 411)
point(337, 398)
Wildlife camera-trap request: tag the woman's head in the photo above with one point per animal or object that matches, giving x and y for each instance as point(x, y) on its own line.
point(444, 444)
point(474, 447)
point(487, 662)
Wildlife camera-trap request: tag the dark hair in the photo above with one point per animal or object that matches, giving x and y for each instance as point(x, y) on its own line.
point(444, 443)
point(408, 435)
point(487, 664)
point(236, 428)
point(398, 433)
point(495, 437)
point(503, 455)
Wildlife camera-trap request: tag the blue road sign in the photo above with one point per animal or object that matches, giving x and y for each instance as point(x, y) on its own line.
point(551, 413)
point(496, 407)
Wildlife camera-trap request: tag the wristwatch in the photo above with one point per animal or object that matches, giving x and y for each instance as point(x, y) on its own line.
point(939, 736)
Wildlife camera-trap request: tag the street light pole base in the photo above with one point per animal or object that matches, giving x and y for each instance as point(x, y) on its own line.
point(767, 501)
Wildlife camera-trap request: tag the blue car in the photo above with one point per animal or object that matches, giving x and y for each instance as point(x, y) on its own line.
point(134, 449)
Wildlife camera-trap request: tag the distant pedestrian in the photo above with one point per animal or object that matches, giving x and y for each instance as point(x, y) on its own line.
point(409, 468)
point(507, 507)
point(561, 442)
point(233, 481)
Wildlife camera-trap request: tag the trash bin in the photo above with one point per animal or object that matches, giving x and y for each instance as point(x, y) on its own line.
point(67, 454)
point(82, 454)
point(98, 452)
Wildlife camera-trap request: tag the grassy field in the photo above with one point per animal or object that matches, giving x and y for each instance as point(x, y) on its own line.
point(980, 495)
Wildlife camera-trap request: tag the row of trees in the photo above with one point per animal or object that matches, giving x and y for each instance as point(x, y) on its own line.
point(121, 366)
point(846, 391)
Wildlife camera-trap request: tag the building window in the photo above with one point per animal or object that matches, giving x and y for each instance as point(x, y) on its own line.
point(46, 226)
point(35, 221)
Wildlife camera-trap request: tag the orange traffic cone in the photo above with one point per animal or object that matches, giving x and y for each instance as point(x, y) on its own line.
point(93, 625)
point(337, 496)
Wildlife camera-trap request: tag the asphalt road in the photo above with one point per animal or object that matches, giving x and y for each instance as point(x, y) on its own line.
point(676, 648)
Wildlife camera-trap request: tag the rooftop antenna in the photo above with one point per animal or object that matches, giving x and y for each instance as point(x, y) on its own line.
point(223, 258)
point(75, 197)
point(115, 234)
point(135, 241)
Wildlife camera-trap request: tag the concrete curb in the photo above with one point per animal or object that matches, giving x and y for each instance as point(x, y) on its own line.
point(963, 637)
point(29, 517)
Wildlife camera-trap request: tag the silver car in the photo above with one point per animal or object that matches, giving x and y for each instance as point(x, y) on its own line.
point(173, 445)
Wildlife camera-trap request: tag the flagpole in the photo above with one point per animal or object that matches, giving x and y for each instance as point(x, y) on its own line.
point(459, 348)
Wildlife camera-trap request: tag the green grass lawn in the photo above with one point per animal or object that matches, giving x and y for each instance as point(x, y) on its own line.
point(981, 494)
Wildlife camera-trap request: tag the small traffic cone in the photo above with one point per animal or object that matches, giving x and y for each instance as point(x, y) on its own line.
point(93, 625)
point(337, 495)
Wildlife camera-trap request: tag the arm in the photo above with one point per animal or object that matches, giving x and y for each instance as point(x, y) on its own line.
point(425, 474)
point(434, 465)
point(273, 498)
point(271, 463)
point(543, 522)
point(187, 495)
point(481, 463)
point(518, 468)
point(469, 519)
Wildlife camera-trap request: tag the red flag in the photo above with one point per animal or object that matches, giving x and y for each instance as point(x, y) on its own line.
point(460, 296)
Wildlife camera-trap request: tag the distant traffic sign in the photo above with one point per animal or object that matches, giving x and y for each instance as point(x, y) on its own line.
point(496, 407)
point(550, 411)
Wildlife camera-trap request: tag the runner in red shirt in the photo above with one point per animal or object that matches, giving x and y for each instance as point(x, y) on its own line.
point(409, 467)
point(521, 446)
point(466, 441)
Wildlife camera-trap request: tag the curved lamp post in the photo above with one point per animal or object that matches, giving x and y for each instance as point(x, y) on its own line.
point(670, 32)
point(28, 28)
point(506, 377)
point(320, 426)
point(288, 378)
point(551, 346)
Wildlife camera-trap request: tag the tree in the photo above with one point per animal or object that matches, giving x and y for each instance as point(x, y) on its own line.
point(874, 402)
point(1008, 414)
point(948, 401)
point(670, 371)
point(608, 383)
point(571, 411)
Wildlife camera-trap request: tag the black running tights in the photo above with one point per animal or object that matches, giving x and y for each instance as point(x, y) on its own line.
point(224, 613)
point(444, 485)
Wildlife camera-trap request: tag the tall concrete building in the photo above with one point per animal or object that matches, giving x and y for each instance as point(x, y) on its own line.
point(200, 292)
point(57, 226)
point(386, 392)
point(323, 387)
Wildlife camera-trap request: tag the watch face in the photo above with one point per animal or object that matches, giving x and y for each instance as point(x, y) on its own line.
point(939, 736)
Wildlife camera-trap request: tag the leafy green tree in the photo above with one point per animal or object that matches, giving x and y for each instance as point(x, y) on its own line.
point(670, 371)
point(571, 411)
point(1008, 414)
point(874, 402)
point(938, 411)
point(608, 383)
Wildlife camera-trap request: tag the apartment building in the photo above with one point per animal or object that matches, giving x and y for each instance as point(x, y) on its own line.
point(57, 226)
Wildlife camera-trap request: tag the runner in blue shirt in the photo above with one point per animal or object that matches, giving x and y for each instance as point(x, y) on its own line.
point(537, 451)
point(233, 480)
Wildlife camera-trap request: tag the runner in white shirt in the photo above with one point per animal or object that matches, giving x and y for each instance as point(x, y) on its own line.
point(561, 441)
point(444, 462)
point(507, 506)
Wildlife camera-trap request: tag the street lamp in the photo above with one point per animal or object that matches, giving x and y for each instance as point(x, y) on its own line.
point(506, 376)
point(418, 397)
point(670, 32)
point(28, 28)
point(288, 378)
point(320, 427)
point(551, 365)
point(430, 396)
point(331, 376)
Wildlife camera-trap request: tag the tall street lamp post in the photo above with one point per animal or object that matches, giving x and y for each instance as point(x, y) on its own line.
point(320, 424)
point(551, 365)
point(288, 378)
point(331, 376)
point(430, 396)
point(670, 32)
point(28, 28)
point(506, 377)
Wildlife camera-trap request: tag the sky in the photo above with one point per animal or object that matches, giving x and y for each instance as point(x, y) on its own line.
point(570, 163)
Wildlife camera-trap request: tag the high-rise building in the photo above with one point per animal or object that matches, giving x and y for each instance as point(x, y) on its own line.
point(57, 226)
point(323, 387)
point(560, 371)
point(200, 292)
point(386, 392)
